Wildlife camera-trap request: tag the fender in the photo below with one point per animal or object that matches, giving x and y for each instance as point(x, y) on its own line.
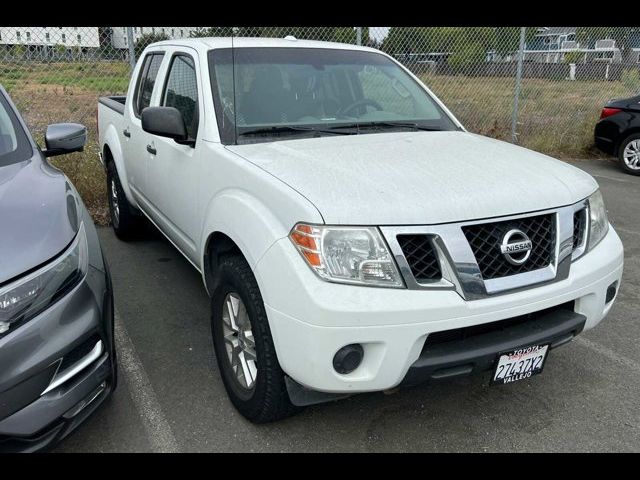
point(112, 140)
point(247, 221)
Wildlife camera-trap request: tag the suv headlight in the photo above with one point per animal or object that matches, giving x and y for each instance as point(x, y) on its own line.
point(25, 298)
point(354, 255)
point(598, 221)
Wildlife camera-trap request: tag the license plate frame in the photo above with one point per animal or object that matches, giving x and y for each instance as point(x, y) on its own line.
point(518, 372)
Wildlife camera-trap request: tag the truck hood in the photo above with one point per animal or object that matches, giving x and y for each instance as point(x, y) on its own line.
point(406, 178)
point(39, 216)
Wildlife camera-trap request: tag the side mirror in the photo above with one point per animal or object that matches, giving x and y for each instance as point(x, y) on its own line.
point(165, 122)
point(61, 138)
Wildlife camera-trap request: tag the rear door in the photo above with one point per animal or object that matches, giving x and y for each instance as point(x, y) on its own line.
point(135, 139)
point(172, 174)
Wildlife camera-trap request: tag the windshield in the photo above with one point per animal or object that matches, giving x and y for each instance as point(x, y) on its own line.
point(14, 145)
point(315, 91)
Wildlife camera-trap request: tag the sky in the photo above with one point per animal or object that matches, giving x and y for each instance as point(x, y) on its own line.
point(378, 33)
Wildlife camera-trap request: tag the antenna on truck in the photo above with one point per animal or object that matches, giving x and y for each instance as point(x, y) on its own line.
point(233, 80)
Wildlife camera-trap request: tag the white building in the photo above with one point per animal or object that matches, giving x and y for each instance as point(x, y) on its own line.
point(83, 37)
point(119, 37)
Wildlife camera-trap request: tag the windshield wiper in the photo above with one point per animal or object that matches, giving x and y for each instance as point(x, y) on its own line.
point(294, 128)
point(413, 125)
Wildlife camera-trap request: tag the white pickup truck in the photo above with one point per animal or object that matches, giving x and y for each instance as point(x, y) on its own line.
point(351, 234)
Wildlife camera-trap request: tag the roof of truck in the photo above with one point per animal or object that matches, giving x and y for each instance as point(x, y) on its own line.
point(244, 42)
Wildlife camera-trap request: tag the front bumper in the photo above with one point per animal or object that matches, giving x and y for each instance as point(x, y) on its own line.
point(311, 319)
point(30, 355)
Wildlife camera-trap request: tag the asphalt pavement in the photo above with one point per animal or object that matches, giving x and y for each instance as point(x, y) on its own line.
point(171, 398)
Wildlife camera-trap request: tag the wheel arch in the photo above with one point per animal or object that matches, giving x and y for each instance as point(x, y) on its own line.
point(112, 151)
point(626, 134)
point(237, 221)
point(217, 245)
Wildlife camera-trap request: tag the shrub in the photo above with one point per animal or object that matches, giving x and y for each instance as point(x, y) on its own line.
point(147, 39)
point(631, 79)
point(574, 57)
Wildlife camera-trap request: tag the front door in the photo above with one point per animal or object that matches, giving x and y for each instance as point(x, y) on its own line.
point(172, 172)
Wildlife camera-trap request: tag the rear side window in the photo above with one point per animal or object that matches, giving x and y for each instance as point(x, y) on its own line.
point(181, 91)
point(14, 143)
point(146, 82)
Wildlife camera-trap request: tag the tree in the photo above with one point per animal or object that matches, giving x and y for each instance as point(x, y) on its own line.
point(147, 39)
point(463, 45)
point(330, 34)
point(18, 51)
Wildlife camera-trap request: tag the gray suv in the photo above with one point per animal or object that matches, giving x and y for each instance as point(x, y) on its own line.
point(57, 352)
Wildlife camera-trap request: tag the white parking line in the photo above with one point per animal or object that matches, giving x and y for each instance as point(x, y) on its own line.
point(607, 352)
point(142, 393)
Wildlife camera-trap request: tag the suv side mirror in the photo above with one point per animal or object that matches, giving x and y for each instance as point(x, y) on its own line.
point(61, 138)
point(165, 122)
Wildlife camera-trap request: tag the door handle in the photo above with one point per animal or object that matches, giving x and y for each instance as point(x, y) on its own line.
point(151, 150)
point(126, 133)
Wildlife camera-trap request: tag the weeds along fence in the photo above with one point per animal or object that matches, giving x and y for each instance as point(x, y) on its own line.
point(542, 87)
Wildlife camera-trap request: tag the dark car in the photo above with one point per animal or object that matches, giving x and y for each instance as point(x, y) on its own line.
point(618, 132)
point(57, 353)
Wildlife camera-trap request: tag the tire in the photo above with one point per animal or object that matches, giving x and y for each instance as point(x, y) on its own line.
point(267, 400)
point(630, 146)
point(124, 220)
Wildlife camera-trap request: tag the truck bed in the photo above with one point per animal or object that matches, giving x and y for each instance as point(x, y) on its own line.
point(114, 102)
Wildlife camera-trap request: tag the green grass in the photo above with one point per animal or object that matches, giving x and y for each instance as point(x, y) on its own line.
point(97, 77)
point(556, 117)
point(98, 84)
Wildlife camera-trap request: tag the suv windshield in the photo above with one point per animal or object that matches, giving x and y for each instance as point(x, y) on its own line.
point(14, 145)
point(265, 92)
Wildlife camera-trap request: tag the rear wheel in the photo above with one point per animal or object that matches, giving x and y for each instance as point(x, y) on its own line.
point(244, 347)
point(629, 154)
point(124, 219)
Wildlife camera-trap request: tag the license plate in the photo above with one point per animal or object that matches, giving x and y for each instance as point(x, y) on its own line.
point(519, 364)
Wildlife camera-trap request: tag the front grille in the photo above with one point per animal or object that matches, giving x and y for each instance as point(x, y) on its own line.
point(485, 240)
point(579, 227)
point(421, 257)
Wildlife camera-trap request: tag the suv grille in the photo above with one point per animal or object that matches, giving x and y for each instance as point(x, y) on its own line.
point(421, 257)
point(579, 224)
point(485, 240)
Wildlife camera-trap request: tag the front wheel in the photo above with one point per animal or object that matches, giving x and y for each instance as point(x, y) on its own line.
point(629, 154)
point(244, 347)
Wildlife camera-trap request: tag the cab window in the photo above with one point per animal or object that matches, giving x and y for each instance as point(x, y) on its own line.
point(181, 91)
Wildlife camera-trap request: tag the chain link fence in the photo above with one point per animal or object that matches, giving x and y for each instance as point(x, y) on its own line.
point(542, 87)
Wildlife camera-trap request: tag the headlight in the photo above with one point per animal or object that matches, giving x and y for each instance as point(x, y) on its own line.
point(355, 255)
point(598, 222)
point(28, 296)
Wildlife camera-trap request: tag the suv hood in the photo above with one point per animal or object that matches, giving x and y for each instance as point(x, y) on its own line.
point(406, 178)
point(38, 213)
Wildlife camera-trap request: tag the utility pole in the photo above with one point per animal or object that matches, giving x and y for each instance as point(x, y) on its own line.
point(132, 50)
point(516, 97)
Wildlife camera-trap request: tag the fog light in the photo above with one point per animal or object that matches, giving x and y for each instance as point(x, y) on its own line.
point(611, 292)
point(347, 359)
